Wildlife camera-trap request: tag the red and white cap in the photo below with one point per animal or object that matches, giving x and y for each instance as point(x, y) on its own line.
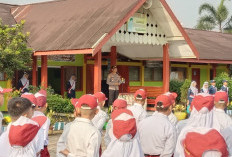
point(5, 90)
point(74, 102)
point(124, 124)
point(41, 98)
point(165, 99)
point(221, 96)
point(172, 96)
point(24, 130)
point(30, 97)
point(141, 92)
point(89, 100)
point(202, 143)
point(202, 101)
point(120, 103)
point(100, 96)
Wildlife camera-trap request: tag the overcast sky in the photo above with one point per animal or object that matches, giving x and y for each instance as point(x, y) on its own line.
point(187, 10)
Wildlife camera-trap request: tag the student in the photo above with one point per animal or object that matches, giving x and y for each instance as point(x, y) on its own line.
point(23, 84)
point(118, 104)
point(192, 92)
point(71, 87)
point(225, 86)
point(137, 108)
point(40, 109)
point(172, 118)
point(84, 138)
point(157, 134)
point(125, 142)
point(21, 137)
point(2, 91)
point(203, 142)
point(212, 87)
point(220, 119)
point(101, 117)
point(61, 144)
point(226, 133)
point(205, 88)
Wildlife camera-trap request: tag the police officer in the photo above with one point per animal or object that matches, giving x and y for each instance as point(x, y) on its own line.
point(113, 80)
point(225, 86)
point(212, 87)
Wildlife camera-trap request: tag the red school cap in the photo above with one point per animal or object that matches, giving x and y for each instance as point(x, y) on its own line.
point(202, 100)
point(41, 98)
point(75, 102)
point(120, 103)
point(165, 99)
point(89, 100)
point(100, 96)
point(221, 96)
point(141, 92)
point(30, 97)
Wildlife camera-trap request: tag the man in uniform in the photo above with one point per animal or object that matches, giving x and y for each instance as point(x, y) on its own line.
point(212, 88)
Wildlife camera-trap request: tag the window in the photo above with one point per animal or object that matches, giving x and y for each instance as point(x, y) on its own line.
point(134, 73)
point(153, 74)
point(178, 74)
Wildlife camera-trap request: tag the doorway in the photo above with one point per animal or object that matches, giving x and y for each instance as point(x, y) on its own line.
point(196, 76)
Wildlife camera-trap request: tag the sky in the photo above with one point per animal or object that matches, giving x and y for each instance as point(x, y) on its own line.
point(187, 10)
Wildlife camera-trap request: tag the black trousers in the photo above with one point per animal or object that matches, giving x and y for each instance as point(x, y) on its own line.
point(72, 94)
point(113, 95)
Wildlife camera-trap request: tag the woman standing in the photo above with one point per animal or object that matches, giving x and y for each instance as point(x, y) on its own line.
point(205, 88)
point(113, 80)
point(192, 92)
point(71, 87)
point(23, 83)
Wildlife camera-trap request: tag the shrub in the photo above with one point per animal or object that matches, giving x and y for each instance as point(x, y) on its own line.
point(184, 90)
point(175, 86)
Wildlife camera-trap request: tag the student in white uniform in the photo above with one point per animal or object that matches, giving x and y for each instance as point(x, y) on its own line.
point(173, 119)
point(157, 134)
point(203, 142)
point(137, 108)
point(61, 144)
point(101, 116)
point(201, 116)
point(84, 138)
point(21, 137)
point(125, 142)
point(40, 109)
point(118, 104)
point(2, 91)
point(227, 134)
point(220, 119)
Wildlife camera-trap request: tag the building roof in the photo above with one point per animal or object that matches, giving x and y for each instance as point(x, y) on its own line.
point(211, 45)
point(5, 15)
point(71, 24)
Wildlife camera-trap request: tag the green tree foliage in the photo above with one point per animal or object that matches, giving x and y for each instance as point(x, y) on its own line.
point(184, 90)
point(14, 53)
point(214, 17)
point(175, 86)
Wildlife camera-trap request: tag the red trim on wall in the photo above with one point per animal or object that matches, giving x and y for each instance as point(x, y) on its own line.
point(181, 29)
point(166, 68)
point(63, 52)
point(97, 72)
point(44, 72)
point(34, 71)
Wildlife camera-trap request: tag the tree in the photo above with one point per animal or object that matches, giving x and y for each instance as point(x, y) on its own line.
point(14, 52)
point(215, 17)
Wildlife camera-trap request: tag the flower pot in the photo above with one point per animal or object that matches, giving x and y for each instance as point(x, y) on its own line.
point(180, 115)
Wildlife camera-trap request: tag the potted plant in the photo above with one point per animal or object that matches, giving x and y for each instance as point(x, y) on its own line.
point(180, 112)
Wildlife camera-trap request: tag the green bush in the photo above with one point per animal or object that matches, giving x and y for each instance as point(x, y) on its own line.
point(175, 86)
point(184, 90)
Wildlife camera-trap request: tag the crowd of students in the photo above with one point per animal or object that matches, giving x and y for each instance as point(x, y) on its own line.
point(130, 132)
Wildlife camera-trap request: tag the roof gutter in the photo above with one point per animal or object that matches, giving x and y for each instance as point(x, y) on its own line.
point(63, 52)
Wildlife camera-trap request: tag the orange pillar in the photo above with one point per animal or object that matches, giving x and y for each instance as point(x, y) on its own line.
point(34, 71)
point(62, 82)
point(113, 56)
point(166, 68)
point(97, 71)
point(44, 72)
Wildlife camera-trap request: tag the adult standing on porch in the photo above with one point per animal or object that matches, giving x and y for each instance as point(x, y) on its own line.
point(24, 83)
point(71, 86)
point(192, 92)
point(113, 80)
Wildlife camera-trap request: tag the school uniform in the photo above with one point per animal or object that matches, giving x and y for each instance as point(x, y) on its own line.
point(71, 87)
point(225, 89)
point(83, 139)
point(100, 119)
point(226, 133)
point(220, 119)
point(180, 125)
point(138, 112)
point(173, 119)
point(1, 118)
point(109, 133)
point(23, 85)
point(212, 90)
point(125, 141)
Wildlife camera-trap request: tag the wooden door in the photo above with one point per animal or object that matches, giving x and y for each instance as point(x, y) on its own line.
point(124, 72)
point(89, 79)
point(196, 77)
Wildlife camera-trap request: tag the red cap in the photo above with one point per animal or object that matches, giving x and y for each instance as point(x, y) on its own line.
point(100, 96)
point(89, 100)
point(203, 100)
point(75, 103)
point(221, 96)
point(172, 96)
point(120, 103)
point(123, 123)
point(165, 99)
point(30, 97)
point(196, 144)
point(41, 97)
point(141, 92)
point(5, 90)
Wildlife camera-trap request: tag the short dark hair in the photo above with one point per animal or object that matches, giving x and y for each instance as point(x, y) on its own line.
point(139, 98)
point(159, 107)
point(18, 106)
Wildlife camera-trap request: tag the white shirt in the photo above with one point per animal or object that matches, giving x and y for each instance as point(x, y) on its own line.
point(100, 119)
point(83, 139)
point(109, 133)
point(173, 119)
point(138, 112)
point(180, 125)
point(227, 134)
point(157, 135)
point(1, 118)
point(220, 119)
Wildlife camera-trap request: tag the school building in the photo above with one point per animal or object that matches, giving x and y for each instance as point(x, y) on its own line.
point(143, 38)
